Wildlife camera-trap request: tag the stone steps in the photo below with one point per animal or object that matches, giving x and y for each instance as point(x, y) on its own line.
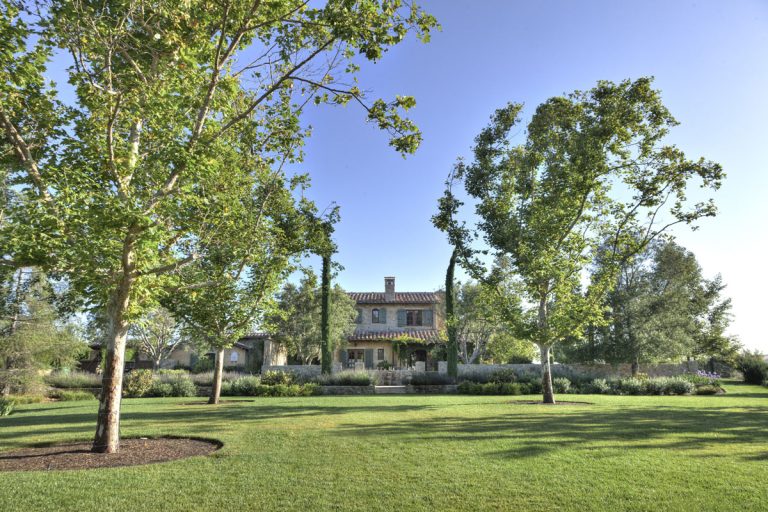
point(389, 390)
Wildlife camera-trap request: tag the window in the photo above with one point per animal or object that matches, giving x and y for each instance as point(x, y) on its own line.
point(380, 354)
point(233, 357)
point(413, 317)
point(375, 316)
point(359, 318)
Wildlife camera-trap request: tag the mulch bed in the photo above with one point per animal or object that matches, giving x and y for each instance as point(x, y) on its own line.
point(539, 402)
point(133, 452)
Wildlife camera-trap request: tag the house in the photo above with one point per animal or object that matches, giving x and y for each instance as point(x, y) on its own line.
point(397, 329)
point(249, 353)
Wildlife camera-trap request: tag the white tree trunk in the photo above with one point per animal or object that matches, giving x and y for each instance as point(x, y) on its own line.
point(218, 370)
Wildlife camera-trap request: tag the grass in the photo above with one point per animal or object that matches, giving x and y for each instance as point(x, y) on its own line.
point(416, 452)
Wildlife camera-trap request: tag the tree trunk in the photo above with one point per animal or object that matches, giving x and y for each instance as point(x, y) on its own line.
point(326, 354)
point(107, 439)
point(453, 348)
point(546, 376)
point(635, 366)
point(218, 369)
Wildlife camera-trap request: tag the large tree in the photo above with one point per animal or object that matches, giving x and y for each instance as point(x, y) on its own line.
point(296, 323)
point(156, 334)
point(593, 166)
point(661, 309)
point(110, 190)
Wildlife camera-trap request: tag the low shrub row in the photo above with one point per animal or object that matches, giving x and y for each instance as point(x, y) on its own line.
point(346, 378)
point(562, 385)
point(6, 406)
point(142, 383)
point(65, 380)
point(70, 396)
point(280, 390)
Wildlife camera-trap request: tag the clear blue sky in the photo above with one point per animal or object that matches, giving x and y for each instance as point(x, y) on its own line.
point(709, 59)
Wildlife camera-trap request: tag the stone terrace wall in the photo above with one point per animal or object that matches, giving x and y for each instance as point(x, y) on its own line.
point(593, 370)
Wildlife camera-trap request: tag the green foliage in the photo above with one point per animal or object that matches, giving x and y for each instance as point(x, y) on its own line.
point(708, 390)
point(561, 385)
point(245, 386)
point(33, 336)
point(346, 378)
point(753, 367)
point(73, 380)
point(26, 399)
point(598, 387)
point(71, 396)
point(251, 388)
point(203, 365)
point(545, 208)
point(491, 388)
point(503, 376)
point(137, 383)
point(272, 378)
point(6, 406)
point(296, 322)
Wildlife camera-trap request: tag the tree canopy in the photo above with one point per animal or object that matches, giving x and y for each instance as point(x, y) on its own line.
point(593, 166)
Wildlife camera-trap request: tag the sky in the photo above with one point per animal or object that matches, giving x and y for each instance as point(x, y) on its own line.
point(709, 59)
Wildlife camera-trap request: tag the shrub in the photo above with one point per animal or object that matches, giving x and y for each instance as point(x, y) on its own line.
point(6, 406)
point(753, 367)
point(182, 385)
point(503, 376)
point(677, 386)
point(598, 387)
point(561, 385)
point(272, 378)
point(160, 389)
point(384, 365)
point(490, 388)
point(244, 386)
point(630, 386)
point(346, 378)
point(656, 386)
point(73, 380)
point(708, 390)
point(202, 365)
point(71, 396)
point(703, 378)
point(137, 383)
point(430, 379)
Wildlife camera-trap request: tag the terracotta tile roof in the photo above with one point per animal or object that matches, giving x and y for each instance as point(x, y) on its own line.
point(429, 335)
point(400, 298)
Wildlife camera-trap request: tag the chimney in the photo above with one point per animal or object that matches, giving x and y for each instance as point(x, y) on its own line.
point(389, 289)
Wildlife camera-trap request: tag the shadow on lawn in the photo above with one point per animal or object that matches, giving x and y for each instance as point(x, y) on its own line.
point(534, 432)
point(173, 418)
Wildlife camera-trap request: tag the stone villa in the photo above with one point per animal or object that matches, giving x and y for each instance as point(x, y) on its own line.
point(394, 329)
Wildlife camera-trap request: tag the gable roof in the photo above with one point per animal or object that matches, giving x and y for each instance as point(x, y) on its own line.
point(399, 298)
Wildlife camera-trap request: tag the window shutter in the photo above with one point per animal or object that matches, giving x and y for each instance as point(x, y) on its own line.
point(344, 358)
point(383, 315)
point(369, 358)
point(428, 317)
point(359, 319)
point(400, 317)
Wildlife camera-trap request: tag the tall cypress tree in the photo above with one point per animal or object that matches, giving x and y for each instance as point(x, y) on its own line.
point(453, 347)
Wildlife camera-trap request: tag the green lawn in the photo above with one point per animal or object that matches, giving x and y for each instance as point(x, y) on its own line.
point(416, 453)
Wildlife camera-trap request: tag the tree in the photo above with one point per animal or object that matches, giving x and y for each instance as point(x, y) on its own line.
point(156, 334)
point(326, 352)
point(661, 309)
point(113, 191)
point(296, 324)
point(450, 318)
point(593, 167)
point(33, 337)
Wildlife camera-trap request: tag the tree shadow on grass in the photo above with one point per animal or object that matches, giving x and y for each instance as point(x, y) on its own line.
point(535, 433)
point(173, 417)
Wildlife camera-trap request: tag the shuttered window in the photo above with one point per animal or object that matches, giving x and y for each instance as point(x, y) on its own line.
point(374, 316)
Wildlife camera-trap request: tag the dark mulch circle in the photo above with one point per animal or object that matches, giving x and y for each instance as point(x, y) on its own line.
point(133, 452)
point(204, 402)
point(539, 402)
